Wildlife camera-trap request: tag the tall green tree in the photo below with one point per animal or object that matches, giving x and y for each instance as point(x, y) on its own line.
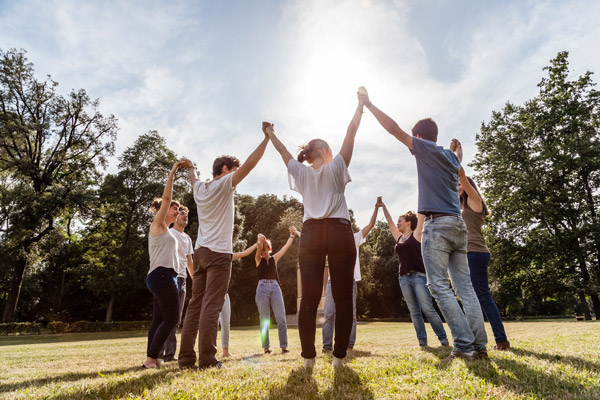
point(51, 150)
point(540, 166)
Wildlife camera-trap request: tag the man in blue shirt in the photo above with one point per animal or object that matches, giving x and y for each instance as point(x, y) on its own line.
point(444, 243)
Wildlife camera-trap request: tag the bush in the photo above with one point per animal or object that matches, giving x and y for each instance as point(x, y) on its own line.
point(20, 328)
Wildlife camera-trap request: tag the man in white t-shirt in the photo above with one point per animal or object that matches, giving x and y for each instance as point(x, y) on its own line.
point(212, 257)
point(185, 250)
point(329, 308)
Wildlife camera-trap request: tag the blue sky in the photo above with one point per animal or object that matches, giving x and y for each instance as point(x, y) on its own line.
point(204, 74)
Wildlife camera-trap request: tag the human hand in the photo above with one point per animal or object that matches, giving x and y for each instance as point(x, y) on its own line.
point(293, 231)
point(363, 96)
point(261, 238)
point(267, 128)
point(379, 202)
point(185, 163)
point(456, 147)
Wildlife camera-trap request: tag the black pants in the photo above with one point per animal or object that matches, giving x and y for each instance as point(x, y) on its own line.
point(331, 237)
point(162, 283)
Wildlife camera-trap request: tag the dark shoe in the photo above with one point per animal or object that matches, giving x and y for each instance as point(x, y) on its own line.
point(445, 344)
point(482, 355)
point(465, 355)
point(285, 351)
point(268, 351)
point(192, 367)
point(218, 365)
point(170, 359)
point(502, 346)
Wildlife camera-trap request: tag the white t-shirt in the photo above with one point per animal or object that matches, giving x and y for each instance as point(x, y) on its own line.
point(358, 240)
point(184, 249)
point(215, 214)
point(322, 190)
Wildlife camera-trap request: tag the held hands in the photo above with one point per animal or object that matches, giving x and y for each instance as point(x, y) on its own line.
point(294, 231)
point(456, 148)
point(267, 128)
point(185, 163)
point(261, 239)
point(379, 202)
point(363, 96)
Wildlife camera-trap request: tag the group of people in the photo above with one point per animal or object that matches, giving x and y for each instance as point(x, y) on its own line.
point(442, 241)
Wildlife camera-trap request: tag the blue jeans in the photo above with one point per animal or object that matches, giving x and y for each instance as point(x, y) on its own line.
point(444, 248)
point(419, 302)
point(162, 283)
point(167, 352)
point(225, 321)
point(329, 322)
point(268, 295)
point(478, 265)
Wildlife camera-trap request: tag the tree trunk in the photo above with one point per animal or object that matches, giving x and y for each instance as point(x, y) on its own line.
point(109, 309)
point(596, 303)
point(10, 307)
point(584, 305)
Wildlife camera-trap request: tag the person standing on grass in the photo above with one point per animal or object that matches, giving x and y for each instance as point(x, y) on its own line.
point(327, 232)
point(225, 315)
point(412, 275)
point(162, 275)
point(444, 242)
point(474, 212)
point(329, 307)
point(268, 291)
point(212, 257)
point(185, 250)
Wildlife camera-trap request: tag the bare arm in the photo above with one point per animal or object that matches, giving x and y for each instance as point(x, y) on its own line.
point(367, 229)
point(418, 232)
point(190, 265)
point(280, 147)
point(457, 149)
point(474, 200)
point(192, 175)
point(244, 253)
point(348, 145)
point(287, 244)
point(295, 231)
point(159, 226)
point(259, 244)
point(388, 124)
point(250, 162)
point(393, 228)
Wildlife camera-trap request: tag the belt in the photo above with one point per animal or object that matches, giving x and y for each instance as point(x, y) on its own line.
point(325, 220)
point(409, 272)
point(430, 216)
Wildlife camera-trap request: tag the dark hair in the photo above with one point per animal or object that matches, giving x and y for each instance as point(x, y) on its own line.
point(412, 218)
point(464, 196)
point(184, 209)
point(157, 202)
point(228, 161)
point(427, 129)
point(307, 151)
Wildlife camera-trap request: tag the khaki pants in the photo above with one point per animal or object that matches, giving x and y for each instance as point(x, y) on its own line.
point(210, 284)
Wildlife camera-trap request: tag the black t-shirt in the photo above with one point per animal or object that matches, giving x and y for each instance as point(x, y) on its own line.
point(409, 254)
point(268, 270)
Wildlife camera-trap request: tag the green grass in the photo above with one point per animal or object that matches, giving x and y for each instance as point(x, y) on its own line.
point(549, 360)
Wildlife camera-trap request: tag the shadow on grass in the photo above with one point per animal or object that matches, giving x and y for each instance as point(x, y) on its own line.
point(557, 358)
point(301, 385)
point(70, 377)
point(520, 378)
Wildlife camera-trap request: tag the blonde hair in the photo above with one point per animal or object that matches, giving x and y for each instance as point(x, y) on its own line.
point(307, 151)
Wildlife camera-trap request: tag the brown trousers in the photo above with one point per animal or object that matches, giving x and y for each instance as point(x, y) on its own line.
point(210, 284)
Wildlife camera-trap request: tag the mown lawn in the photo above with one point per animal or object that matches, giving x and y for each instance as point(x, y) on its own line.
point(549, 360)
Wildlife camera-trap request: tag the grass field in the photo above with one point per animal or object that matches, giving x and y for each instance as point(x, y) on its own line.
point(549, 360)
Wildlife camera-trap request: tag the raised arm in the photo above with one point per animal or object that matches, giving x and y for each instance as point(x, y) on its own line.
point(280, 147)
point(348, 145)
point(244, 253)
point(367, 229)
point(260, 242)
point(418, 232)
point(393, 228)
point(159, 226)
point(250, 162)
point(474, 200)
point(295, 231)
point(285, 247)
point(457, 149)
point(388, 124)
point(191, 171)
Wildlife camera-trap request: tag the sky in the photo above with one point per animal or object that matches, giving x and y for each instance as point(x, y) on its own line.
point(205, 74)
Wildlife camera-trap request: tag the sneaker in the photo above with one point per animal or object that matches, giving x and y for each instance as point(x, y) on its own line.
point(465, 355)
point(309, 363)
point(337, 362)
point(218, 365)
point(482, 354)
point(502, 346)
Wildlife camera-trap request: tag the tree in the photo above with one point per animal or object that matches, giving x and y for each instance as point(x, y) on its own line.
point(51, 149)
point(540, 166)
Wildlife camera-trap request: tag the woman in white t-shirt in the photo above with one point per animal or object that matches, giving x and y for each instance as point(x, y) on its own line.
point(326, 234)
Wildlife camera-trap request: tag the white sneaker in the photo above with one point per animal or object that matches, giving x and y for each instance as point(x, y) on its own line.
point(337, 362)
point(309, 363)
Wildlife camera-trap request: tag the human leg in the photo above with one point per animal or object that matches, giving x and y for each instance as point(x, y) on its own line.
point(419, 284)
point(329, 319)
point(225, 321)
point(353, 331)
point(163, 286)
point(279, 312)
point(262, 300)
point(411, 299)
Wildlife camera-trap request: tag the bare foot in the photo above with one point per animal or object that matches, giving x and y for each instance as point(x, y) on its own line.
point(151, 363)
point(226, 353)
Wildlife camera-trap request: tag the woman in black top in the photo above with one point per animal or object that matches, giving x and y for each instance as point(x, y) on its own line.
point(268, 292)
point(412, 277)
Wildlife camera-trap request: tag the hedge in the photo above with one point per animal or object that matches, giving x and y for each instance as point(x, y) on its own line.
point(28, 328)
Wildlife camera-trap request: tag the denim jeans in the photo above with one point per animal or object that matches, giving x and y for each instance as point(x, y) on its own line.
point(444, 248)
point(330, 238)
point(478, 265)
point(225, 321)
point(329, 311)
point(212, 271)
point(167, 352)
point(162, 283)
point(268, 295)
point(419, 302)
